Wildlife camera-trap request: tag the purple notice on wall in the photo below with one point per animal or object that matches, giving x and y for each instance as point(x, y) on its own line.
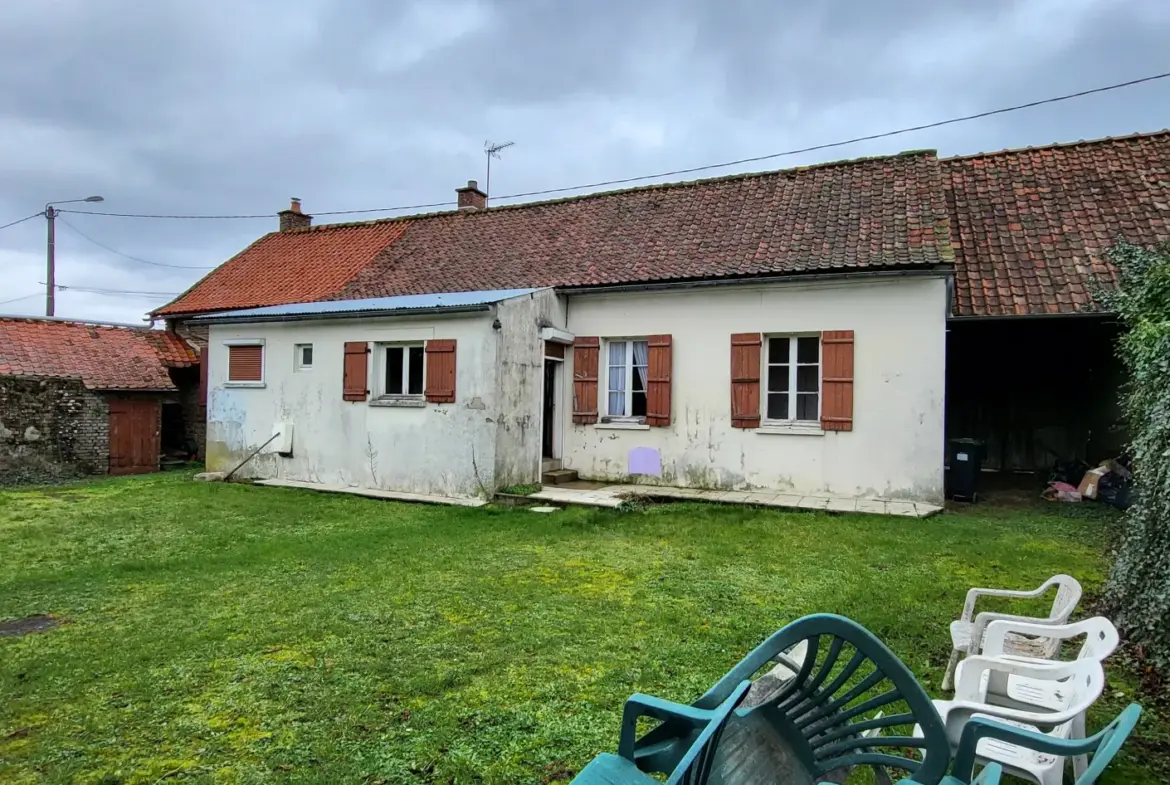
point(645, 460)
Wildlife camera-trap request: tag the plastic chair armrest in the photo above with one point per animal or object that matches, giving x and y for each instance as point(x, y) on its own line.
point(972, 668)
point(979, 728)
point(989, 776)
point(979, 629)
point(968, 693)
point(975, 594)
point(996, 632)
point(640, 705)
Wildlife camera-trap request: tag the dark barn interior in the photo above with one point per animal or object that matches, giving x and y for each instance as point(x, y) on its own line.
point(1035, 390)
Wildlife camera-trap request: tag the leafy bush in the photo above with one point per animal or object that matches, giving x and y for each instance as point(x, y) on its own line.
point(1138, 594)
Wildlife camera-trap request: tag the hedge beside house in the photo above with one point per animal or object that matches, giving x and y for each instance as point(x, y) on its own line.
point(1138, 594)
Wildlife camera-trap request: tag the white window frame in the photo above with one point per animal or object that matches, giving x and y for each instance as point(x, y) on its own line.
point(299, 363)
point(793, 365)
point(227, 365)
point(382, 367)
point(629, 367)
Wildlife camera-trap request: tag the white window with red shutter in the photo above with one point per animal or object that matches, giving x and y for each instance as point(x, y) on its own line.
point(792, 381)
point(408, 374)
point(399, 374)
point(627, 368)
point(633, 377)
point(795, 383)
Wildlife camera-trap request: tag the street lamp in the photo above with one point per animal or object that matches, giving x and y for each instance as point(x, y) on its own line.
point(51, 248)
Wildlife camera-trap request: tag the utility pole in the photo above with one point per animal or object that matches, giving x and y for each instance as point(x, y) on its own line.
point(493, 151)
point(50, 259)
point(51, 250)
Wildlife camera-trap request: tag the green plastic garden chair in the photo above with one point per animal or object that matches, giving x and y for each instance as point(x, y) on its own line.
point(693, 768)
point(1103, 746)
point(831, 716)
point(990, 775)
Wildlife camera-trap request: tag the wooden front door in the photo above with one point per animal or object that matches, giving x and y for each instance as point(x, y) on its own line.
point(134, 425)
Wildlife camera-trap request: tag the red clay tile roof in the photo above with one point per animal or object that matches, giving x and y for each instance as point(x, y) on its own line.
point(101, 357)
point(869, 213)
point(1026, 230)
point(1030, 227)
point(288, 267)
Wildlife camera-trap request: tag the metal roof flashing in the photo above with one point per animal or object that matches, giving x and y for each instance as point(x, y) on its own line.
point(401, 305)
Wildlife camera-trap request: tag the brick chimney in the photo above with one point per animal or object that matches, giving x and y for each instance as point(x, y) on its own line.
point(471, 198)
point(293, 219)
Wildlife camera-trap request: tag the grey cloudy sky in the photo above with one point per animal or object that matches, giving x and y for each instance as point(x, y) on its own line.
point(222, 107)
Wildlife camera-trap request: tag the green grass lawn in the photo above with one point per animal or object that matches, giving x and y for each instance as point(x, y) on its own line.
point(227, 633)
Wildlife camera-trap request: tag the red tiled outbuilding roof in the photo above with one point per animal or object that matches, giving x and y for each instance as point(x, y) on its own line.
point(1031, 227)
point(102, 357)
point(288, 267)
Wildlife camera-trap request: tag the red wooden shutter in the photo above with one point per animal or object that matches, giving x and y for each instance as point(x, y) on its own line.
point(586, 354)
point(837, 380)
point(441, 371)
point(246, 363)
point(745, 379)
point(354, 371)
point(658, 383)
point(204, 361)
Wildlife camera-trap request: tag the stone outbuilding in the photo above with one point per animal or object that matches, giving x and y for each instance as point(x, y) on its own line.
point(86, 398)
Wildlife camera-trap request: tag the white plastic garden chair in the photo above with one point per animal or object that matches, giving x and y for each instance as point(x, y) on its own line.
point(1078, 684)
point(967, 633)
point(1013, 690)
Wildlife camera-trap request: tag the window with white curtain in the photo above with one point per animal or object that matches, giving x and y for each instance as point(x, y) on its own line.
point(627, 366)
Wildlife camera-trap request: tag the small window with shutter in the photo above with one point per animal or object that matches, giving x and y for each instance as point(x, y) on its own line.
point(627, 371)
point(402, 366)
point(792, 382)
point(245, 364)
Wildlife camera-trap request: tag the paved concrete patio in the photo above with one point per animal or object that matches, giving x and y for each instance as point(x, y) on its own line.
point(613, 495)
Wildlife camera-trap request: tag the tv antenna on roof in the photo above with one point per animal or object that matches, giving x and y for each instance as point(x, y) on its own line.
point(493, 151)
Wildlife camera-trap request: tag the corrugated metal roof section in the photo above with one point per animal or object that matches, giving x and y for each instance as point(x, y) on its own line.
point(404, 302)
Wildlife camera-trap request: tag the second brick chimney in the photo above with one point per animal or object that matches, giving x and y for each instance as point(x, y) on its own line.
point(293, 219)
point(471, 198)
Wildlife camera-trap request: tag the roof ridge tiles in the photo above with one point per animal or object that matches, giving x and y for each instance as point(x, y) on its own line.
point(1104, 140)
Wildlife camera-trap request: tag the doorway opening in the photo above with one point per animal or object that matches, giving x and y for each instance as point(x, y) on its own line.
point(550, 436)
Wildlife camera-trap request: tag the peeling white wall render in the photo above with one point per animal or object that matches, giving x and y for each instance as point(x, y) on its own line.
point(520, 383)
point(443, 449)
point(895, 449)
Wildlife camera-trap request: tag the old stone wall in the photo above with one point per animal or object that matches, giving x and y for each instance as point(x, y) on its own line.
point(51, 428)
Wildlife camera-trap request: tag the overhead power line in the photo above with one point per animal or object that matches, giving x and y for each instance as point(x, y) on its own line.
point(261, 215)
point(693, 169)
point(85, 236)
point(25, 297)
point(22, 220)
point(93, 290)
point(843, 142)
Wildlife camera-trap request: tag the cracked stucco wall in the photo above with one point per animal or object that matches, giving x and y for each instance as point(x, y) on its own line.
point(520, 384)
point(895, 449)
point(444, 449)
